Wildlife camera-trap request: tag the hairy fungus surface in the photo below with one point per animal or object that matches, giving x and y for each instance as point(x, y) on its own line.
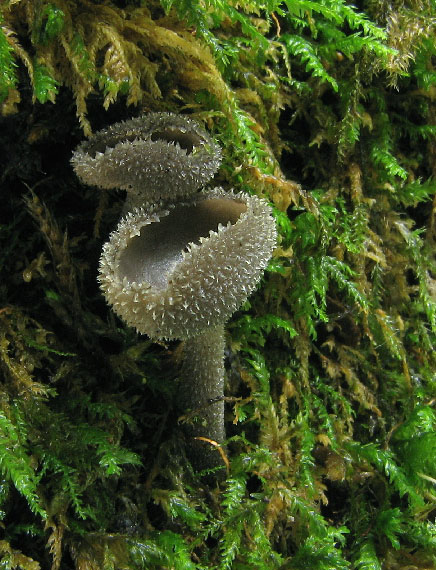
point(173, 272)
point(158, 156)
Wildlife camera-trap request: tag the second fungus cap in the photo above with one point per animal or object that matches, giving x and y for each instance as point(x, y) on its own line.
point(174, 272)
point(160, 156)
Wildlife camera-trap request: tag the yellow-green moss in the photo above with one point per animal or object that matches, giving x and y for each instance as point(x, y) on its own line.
point(327, 110)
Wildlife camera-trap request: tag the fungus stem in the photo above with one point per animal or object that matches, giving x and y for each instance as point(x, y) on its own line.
point(201, 391)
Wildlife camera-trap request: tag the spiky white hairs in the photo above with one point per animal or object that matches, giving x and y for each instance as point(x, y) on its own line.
point(157, 156)
point(173, 272)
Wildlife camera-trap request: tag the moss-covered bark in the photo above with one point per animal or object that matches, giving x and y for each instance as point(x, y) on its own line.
point(327, 110)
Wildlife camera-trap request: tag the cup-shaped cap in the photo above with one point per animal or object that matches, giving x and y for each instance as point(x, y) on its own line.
point(174, 272)
point(158, 156)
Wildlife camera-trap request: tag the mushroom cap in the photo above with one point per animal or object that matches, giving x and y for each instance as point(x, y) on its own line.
point(154, 157)
point(172, 272)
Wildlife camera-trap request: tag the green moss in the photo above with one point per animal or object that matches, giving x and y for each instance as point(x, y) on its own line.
point(328, 111)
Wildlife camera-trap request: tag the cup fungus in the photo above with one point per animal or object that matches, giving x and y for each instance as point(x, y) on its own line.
point(178, 269)
point(149, 157)
point(180, 272)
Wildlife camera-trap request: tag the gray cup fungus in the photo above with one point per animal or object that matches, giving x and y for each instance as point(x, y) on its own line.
point(174, 272)
point(160, 153)
point(179, 268)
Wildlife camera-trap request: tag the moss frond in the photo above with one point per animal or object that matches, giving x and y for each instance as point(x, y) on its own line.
point(323, 108)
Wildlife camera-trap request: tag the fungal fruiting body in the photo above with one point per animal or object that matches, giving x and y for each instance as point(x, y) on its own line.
point(174, 272)
point(180, 272)
point(158, 156)
point(181, 260)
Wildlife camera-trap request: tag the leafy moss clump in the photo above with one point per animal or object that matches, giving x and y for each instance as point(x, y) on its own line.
point(326, 109)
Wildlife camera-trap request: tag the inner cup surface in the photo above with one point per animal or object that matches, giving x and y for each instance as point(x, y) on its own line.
point(152, 256)
point(187, 141)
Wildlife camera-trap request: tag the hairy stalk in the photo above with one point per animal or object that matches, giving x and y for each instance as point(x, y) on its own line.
point(201, 392)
